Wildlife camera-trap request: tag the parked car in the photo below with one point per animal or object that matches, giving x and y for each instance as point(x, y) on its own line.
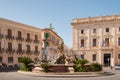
point(117, 67)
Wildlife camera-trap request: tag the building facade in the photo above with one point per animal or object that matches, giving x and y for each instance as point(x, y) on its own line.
point(97, 39)
point(18, 40)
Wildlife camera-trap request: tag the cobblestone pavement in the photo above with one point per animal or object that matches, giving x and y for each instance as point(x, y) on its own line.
point(21, 76)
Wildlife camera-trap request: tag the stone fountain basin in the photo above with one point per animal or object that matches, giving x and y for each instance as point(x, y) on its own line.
point(61, 68)
point(56, 68)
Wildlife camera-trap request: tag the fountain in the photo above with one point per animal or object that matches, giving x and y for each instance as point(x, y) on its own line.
point(59, 63)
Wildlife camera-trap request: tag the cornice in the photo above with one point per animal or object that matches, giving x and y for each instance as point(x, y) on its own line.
point(96, 20)
point(51, 31)
point(13, 24)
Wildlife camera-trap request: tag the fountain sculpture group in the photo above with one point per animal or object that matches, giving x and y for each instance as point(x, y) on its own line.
point(60, 64)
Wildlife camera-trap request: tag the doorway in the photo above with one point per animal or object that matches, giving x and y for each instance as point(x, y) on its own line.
point(107, 59)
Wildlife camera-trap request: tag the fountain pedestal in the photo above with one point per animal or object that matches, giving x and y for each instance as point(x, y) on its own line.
point(37, 68)
point(62, 68)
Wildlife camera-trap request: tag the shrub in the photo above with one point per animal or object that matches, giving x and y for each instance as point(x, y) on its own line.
point(96, 67)
point(26, 66)
point(80, 65)
point(46, 67)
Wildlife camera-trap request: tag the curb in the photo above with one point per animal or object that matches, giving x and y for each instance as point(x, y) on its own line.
point(89, 74)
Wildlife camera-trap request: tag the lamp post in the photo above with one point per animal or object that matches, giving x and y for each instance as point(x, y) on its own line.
point(108, 62)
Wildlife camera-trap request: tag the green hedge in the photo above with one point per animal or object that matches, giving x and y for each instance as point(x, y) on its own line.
point(96, 67)
point(80, 66)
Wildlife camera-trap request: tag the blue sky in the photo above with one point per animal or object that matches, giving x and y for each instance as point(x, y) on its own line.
point(41, 13)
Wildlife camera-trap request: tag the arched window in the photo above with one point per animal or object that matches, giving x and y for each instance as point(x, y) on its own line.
point(28, 36)
point(36, 37)
point(9, 33)
point(19, 34)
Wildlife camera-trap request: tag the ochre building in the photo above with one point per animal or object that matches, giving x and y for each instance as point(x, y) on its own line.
point(52, 40)
point(97, 39)
point(19, 40)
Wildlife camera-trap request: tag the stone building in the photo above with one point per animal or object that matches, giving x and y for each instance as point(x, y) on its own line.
point(97, 39)
point(18, 40)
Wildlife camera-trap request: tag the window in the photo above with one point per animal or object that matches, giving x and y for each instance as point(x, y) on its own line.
point(36, 37)
point(19, 34)
point(46, 44)
point(28, 48)
point(36, 48)
point(9, 46)
point(118, 41)
point(94, 30)
point(94, 57)
point(9, 33)
point(94, 42)
point(82, 42)
point(10, 59)
point(118, 56)
point(82, 56)
point(0, 59)
point(106, 41)
point(82, 31)
point(0, 46)
point(119, 28)
point(107, 29)
point(19, 47)
point(28, 36)
point(46, 35)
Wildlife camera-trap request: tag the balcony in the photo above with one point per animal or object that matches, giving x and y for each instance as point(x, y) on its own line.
point(29, 52)
point(18, 51)
point(1, 36)
point(47, 38)
point(10, 37)
point(19, 39)
point(10, 50)
point(28, 40)
point(36, 52)
point(107, 47)
point(36, 41)
point(1, 50)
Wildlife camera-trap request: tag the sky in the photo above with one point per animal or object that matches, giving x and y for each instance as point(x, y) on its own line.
point(41, 13)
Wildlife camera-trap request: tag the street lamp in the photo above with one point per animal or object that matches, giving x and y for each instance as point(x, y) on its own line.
point(108, 62)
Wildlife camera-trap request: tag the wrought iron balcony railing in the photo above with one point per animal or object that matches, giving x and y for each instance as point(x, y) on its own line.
point(28, 40)
point(10, 50)
point(36, 41)
point(10, 37)
point(19, 39)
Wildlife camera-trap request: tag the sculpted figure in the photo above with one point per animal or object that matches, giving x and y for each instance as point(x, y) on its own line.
point(60, 48)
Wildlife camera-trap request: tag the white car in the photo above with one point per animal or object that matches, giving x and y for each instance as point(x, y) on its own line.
point(117, 67)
